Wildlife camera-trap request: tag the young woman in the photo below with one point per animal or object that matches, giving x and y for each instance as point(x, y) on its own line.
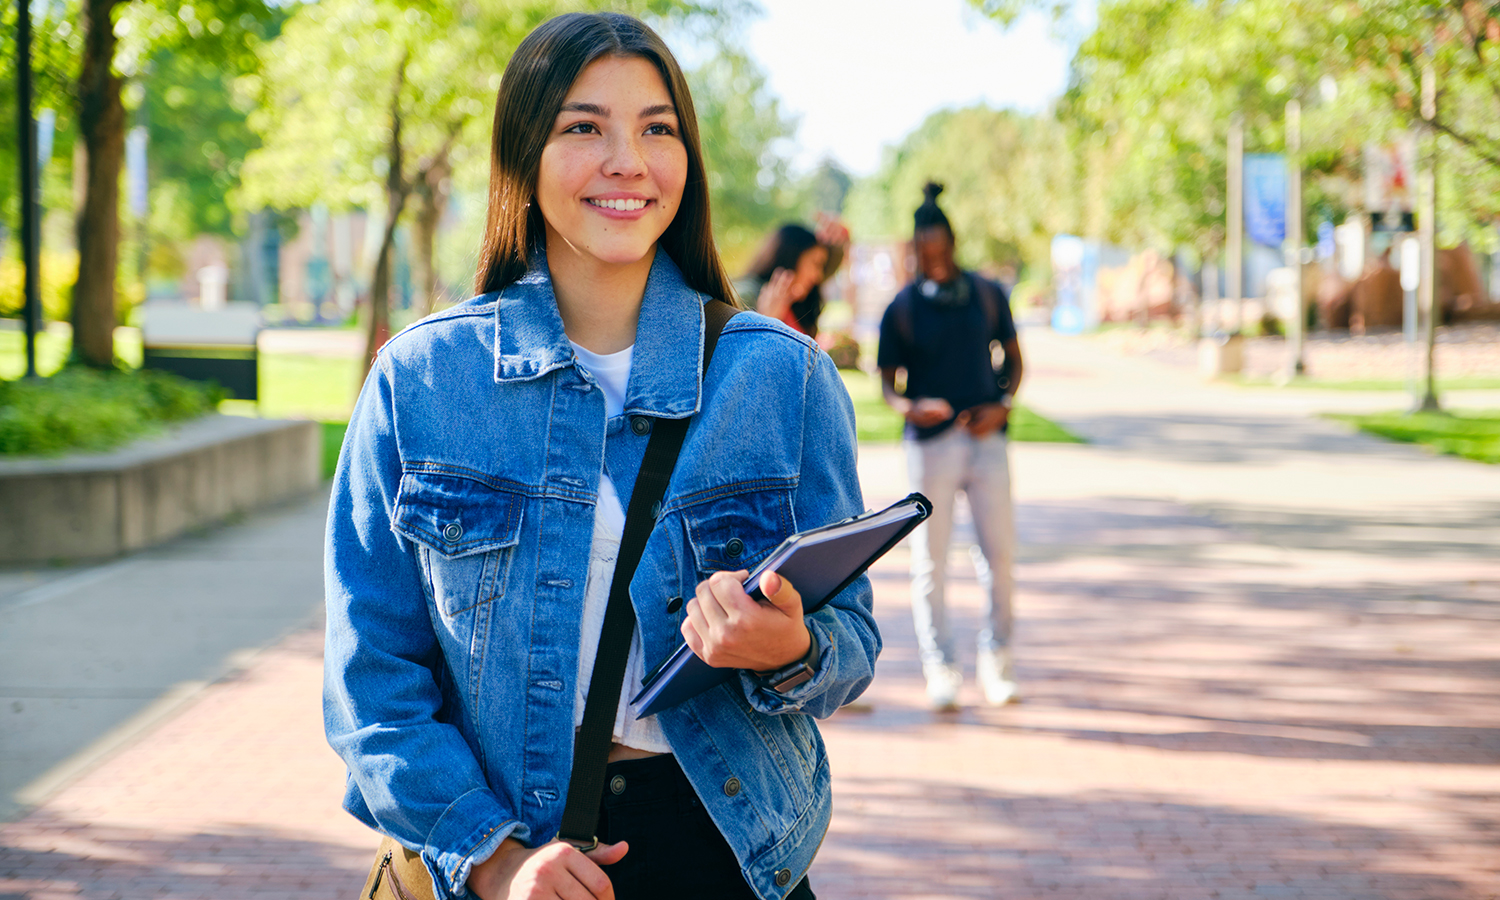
point(479, 502)
point(785, 279)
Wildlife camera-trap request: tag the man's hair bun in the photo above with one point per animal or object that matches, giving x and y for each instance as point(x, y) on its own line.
point(929, 214)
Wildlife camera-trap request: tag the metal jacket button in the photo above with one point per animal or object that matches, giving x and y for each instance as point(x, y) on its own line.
point(453, 531)
point(783, 877)
point(731, 787)
point(674, 604)
point(640, 424)
point(734, 547)
point(617, 784)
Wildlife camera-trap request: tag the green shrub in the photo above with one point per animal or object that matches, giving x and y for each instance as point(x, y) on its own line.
point(843, 349)
point(85, 409)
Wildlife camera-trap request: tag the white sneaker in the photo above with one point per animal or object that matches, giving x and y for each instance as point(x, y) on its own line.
point(997, 678)
point(943, 682)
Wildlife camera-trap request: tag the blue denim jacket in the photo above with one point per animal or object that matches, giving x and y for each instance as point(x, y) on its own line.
point(458, 548)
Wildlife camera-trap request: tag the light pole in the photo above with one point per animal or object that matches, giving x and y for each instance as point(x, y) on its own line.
point(30, 228)
point(1235, 227)
point(1427, 234)
point(1293, 247)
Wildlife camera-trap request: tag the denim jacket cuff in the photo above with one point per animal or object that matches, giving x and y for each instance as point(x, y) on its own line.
point(475, 824)
point(763, 699)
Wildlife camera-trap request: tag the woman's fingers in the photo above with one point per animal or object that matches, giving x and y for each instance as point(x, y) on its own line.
point(775, 298)
point(584, 867)
point(714, 609)
point(559, 871)
point(726, 627)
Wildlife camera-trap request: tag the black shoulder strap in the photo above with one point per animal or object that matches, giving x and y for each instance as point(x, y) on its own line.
point(905, 319)
point(989, 297)
point(591, 745)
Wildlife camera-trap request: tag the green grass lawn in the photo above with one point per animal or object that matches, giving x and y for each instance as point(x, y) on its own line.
point(1471, 435)
point(876, 422)
point(51, 351)
point(302, 387)
point(324, 388)
point(306, 387)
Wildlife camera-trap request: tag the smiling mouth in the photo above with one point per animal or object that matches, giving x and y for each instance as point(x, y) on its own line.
point(620, 205)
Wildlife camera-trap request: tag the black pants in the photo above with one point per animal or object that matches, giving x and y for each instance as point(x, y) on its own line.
point(675, 849)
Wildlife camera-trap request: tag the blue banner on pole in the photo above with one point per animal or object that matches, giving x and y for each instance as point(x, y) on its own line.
point(1265, 198)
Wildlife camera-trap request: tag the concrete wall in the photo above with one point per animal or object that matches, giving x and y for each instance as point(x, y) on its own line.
point(91, 506)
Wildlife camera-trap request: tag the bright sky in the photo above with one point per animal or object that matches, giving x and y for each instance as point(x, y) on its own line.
point(860, 74)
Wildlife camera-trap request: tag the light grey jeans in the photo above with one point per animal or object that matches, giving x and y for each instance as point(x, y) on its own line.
point(940, 467)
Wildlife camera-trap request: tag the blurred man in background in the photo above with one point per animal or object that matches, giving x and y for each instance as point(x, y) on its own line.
point(940, 330)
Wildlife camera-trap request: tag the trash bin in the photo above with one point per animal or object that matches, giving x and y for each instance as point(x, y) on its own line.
point(1221, 353)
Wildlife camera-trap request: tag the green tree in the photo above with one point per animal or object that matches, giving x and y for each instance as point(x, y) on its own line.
point(199, 137)
point(740, 124)
point(1007, 179)
point(118, 39)
point(825, 189)
point(1157, 82)
point(365, 103)
point(1381, 48)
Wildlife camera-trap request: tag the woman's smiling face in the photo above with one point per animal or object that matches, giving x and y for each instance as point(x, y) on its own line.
point(613, 170)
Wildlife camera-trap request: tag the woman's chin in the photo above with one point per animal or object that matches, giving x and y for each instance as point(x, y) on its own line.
point(622, 256)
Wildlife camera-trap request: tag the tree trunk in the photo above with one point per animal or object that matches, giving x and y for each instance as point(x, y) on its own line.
point(379, 326)
point(101, 124)
point(431, 188)
point(396, 190)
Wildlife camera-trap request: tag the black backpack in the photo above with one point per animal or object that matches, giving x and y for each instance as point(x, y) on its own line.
point(989, 297)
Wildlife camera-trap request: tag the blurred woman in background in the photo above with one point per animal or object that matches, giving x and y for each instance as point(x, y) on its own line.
point(785, 279)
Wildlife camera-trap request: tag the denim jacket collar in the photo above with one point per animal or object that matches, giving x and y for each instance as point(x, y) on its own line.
point(666, 372)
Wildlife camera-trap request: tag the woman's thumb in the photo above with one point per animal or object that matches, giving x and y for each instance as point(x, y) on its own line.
point(608, 854)
point(780, 592)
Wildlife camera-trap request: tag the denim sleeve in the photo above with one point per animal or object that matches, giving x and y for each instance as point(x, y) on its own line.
point(828, 491)
point(414, 774)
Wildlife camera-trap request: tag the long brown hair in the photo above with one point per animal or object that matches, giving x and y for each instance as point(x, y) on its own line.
point(532, 91)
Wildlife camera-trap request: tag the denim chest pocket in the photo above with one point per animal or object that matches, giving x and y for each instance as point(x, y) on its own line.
point(738, 531)
point(465, 532)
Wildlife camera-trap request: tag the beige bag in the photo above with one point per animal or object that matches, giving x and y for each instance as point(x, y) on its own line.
point(398, 874)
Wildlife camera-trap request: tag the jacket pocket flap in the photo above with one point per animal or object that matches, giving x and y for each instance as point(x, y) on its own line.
point(738, 531)
point(456, 516)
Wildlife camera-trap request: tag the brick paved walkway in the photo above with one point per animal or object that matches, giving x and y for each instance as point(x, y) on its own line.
point(1218, 728)
point(1227, 695)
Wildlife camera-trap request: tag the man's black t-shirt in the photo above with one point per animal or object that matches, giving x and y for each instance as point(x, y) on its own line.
point(945, 347)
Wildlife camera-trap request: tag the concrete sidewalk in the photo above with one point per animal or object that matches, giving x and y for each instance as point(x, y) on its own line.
point(92, 655)
point(1258, 656)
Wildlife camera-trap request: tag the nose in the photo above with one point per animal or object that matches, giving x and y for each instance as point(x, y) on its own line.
point(626, 159)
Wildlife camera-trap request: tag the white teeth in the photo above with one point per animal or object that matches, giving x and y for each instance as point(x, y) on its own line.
point(621, 205)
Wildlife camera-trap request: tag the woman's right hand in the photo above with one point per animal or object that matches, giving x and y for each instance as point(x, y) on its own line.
point(776, 298)
point(553, 871)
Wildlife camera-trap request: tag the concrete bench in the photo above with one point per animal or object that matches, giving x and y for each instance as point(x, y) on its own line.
point(97, 505)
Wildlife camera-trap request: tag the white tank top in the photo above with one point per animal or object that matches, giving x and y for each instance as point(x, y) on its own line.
point(612, 372)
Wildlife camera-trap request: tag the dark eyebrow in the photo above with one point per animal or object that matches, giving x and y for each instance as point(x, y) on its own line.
point(595, 109)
